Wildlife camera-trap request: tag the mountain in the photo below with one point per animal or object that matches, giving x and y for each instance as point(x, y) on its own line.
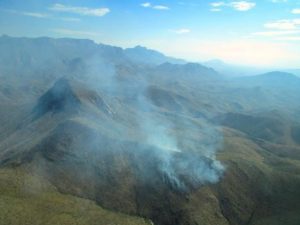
point(74, 142)
point(232, 70)
point(89, 135)
point(57, 99)
point(274, 90)
point(275, 79)
point(147, 56)
point(293, 71)
point(190, 69)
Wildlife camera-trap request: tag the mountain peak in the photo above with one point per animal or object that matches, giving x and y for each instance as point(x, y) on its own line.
point(60, 97)
point(139, 47)
point(278, 77)
point(187, 69)
point(144, 55)
point(279, 74)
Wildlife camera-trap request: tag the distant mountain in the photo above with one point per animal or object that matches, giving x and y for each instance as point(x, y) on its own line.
point(293, 71)
point(231, 70)
point(188, 69)
point(189, 74)
point(147, 56)
point(273, 79)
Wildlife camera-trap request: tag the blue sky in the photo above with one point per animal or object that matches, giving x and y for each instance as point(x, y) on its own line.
point(250, 32)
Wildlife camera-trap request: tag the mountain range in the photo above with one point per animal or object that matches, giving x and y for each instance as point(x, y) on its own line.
point(97, 134)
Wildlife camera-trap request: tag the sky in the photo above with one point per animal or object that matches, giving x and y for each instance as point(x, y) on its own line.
point(252, 32)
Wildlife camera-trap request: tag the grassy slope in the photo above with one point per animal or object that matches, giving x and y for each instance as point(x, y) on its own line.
point(256, 188)
point(26, 199)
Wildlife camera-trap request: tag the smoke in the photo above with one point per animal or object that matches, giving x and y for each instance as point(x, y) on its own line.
point(185, 148)
point(186, 151)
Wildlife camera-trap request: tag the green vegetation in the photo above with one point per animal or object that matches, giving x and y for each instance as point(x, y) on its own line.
point(259, 187)
point(28, 199)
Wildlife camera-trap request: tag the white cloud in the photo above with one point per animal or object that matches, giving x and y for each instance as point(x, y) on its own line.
point(243, 5)
point(282, 30)
point(276, 33)
point(157, 7)
point(289, 38)
point(296, 11)
point(236, 5)
point(42, 15)
point(146, 4)
point(182, 31)
point(161, 7)
point(35, 14)
point(31, 14)
point(80, 10)
point(284, 24)
point(217, 4)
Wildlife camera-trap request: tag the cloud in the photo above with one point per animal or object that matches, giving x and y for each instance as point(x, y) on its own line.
point(85, 11)
point(217, 4)
point(284, 24)
point(243, 5)
point(161, 7)
point(35, 14)
point(42, 15)
point(289, 38)
point(31, 14)
point(182, 31)
point(276, 33)
point(157, 7)
point(282, 30)
point(296, 11)
point(146, 4)
point(236, 5)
